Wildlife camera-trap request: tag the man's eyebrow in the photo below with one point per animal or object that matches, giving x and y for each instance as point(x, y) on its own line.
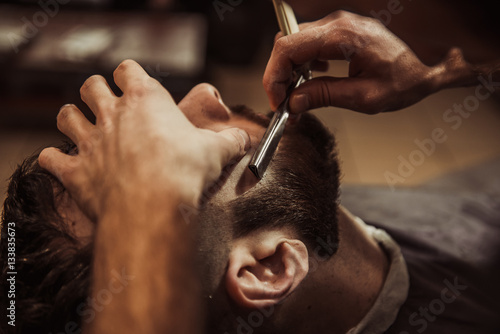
point(249, 114)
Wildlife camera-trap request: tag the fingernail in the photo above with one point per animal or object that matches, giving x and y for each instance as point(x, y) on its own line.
point(299, 103)
point(66, 105)
point(246, 139)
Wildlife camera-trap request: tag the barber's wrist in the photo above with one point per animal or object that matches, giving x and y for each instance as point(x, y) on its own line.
point(150, 196)
point(140, 203)
point(148, 239)
point(455, 71)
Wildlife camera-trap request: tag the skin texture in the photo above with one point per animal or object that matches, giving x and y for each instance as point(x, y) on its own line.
point(384, 73)
point(124, 179)
point(203, 106)
point(330, 299)
point(119, 179)
point(139, 229)
point(123, 125)
point(430, 27)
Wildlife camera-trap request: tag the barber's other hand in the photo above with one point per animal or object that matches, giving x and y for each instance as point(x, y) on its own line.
point(142, 147)
point(384, 73)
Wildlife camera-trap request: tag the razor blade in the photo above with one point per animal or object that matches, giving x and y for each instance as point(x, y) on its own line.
point(269, 143)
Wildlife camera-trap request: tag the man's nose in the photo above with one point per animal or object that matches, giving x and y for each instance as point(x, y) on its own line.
point(203, 106)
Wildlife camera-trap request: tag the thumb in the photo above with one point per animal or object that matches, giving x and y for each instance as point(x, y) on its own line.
point(233, 143)
point(324, 92)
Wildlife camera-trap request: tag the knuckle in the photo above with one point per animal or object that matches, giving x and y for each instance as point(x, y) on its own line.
point(107, 126)
point(343, 13)
point(44, 157)
point(371, 25)
point(106, 106)
point(151, 83)
point(85, 147)
point(340, 14)
point(137, 90)
point(127, 63)
point(344, 21)
point(282, 44)
point(89, 82)
point(96, 135)
point(64, 115)
point(71, 168)
point(373, 103)
point(123, 66)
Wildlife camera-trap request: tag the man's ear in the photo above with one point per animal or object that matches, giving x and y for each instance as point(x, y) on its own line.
point(264, 268)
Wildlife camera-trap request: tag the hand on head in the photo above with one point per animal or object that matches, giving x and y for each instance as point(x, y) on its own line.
point(141, 143)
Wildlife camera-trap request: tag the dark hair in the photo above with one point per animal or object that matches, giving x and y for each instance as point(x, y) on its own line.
point(53, 268)
point(301, 189)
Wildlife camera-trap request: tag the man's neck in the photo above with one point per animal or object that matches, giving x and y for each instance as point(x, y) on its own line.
point(340, 291)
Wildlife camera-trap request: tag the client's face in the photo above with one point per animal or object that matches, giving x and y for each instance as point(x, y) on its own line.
point(203, 106)
point(299, 193)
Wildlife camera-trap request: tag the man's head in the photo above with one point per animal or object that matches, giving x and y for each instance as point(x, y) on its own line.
point(52, 254)
point(254, 237)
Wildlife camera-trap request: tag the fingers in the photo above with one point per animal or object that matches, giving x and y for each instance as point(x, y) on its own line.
point(327, 91)
point(57, 163)
point(294, 50)
point(132, 79)
point(136, 84)
point(333, 37)
point(73, 123)
point(97, 94)
point(302, 26)
point(231, 144)
point(129, 74)
point(332, 16)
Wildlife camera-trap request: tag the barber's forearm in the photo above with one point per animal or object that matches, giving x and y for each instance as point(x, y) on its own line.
point(149, 243)
point(455, 71)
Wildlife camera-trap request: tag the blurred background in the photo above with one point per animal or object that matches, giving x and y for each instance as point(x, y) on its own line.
point(49, 47)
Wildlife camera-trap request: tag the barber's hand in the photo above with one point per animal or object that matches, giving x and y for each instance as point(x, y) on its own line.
point(141, 147)
point(384, 73)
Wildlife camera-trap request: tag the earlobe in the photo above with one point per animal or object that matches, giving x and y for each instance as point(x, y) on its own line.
point(263, 273)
